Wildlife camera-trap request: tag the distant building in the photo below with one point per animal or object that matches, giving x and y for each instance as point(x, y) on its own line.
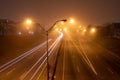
point(110, 30)
point(9, 27)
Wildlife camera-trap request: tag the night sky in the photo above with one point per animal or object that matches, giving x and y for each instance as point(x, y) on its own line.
point(47, 12)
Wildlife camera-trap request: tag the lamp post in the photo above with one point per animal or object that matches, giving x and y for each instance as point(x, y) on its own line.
point(47, 34)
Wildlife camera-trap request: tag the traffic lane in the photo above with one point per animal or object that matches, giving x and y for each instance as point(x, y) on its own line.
point(103, 60)
point(70, 66)
point(59, 66)
point(64, 70)
point(82, 69)
point(20, 68)
point(52, 62)
point(34, 73)
point(68, 69)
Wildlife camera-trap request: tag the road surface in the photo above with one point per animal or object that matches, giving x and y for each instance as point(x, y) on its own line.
point(82, 59)
point(29, 65)
point(76, 58)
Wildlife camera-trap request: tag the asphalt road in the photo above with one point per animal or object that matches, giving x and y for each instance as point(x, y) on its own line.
point(82, 59)
point(30, 64)
point(78, 58)
point(20, 68)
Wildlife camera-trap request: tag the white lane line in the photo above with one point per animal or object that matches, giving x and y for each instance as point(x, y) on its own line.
point(89, 62)
point(15, 60)
point(10, 71)
point(55, 43)
point(86, 58)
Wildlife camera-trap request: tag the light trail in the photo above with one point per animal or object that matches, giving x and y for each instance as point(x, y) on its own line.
point(51, 50)
point(17, 59)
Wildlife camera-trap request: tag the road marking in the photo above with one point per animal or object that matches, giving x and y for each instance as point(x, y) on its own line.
point(10, 71)
point(85, 57)
point(88, 61)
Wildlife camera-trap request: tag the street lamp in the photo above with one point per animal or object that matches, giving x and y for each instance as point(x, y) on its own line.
point(28, 22)
point(47, 32)
point(64, 20)
point(72, 20)
point(93, 30)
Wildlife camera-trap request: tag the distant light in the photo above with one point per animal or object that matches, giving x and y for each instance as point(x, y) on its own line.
point(31, 32)
point(19, 33)
point(55, 26)
point(62, 22)
point(28, 21)
point(60, 29)
point(80, 26)
point(93, 30)
point(56, 29)
point(65, 29)
point(84, 30)
point(72, 20)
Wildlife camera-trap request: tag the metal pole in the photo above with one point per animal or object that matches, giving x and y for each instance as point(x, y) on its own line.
point(47, 58)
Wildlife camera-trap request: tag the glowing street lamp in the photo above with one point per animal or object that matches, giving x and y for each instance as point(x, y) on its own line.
point(47, 32)
point(93, 30)
point(28, 22)
point(84, 30)
point(65, 29)
point(72, 21)
point(56, 29)
point(80, 26)
point(62, 22)
point(60, 29)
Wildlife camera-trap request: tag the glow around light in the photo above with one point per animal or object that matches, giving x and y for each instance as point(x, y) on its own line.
point(31, 32)
point(72, 21)
point(28, 21)
point(80, 26)
point(62, 22)
point(93, 30)
point(60, 29)
point(56, 29)
point(84, 30)
point(65, 29)
point(19, 33)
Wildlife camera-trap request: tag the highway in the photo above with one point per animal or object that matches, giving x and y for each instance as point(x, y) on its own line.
point(82, 59)
point(70, 58)
point(28, 65)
